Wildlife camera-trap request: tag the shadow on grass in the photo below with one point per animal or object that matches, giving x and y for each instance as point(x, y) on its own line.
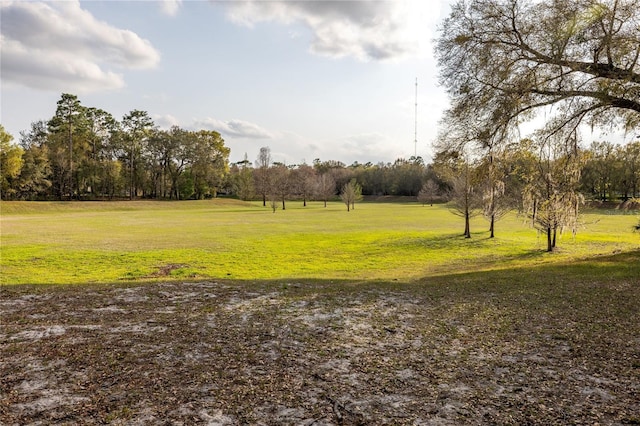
point(599, 270)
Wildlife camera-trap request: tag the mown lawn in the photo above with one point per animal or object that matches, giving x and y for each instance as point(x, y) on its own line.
point(100, 242)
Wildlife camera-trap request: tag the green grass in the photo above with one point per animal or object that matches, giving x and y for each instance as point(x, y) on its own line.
point(103, 242)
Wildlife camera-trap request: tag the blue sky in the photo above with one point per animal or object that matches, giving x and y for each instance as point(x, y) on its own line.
point(310, 79)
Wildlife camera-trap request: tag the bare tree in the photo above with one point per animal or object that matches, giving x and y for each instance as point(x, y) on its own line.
point(428, 193)
point(280, 183)
point(303, 182)
point(325, 187)
point(464, 201)
point(351, 192)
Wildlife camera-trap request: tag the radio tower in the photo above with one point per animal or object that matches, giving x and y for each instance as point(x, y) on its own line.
point(415, 133)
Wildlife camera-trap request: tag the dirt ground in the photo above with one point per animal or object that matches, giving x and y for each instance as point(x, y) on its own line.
point(320, 353)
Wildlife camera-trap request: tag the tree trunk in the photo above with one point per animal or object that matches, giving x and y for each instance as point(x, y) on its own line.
point(549, 246)
point(264, 200)
point(555, 231)
point(492, 226)
point(467, 228)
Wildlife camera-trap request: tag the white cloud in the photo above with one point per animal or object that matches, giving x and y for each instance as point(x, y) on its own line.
point(59, 45)
point(367, 30)
point(170, 7)
point(234, 128)
point(165, 121)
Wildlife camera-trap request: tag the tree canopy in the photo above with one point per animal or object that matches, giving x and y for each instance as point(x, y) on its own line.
point(504, 61)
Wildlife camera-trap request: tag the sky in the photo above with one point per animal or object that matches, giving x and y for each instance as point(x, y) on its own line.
point(328, 80)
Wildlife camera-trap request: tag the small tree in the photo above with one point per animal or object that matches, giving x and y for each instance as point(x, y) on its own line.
point(464, 200)
point(325, 187)
point(428, 193)
point(351, 192)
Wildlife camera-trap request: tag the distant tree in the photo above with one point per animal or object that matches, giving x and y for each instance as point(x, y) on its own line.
point(281, 183)
point(325, 187)
point(496, 201)
point(136, 130)
point(351, 192)
point(407, 176)
point(68, 144)
point(243, 179)
point(209, 162)
point(630, 179)
point(428, 192)
point(303, 182)
point(262, 175)
point(10, 164)
point(464, 200)
point(35, 175)
point(598, 174)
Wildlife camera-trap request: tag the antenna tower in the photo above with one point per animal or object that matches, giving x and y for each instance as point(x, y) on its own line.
point(415, 133)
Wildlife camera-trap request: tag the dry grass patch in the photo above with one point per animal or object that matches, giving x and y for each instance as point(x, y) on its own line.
point(550, 345)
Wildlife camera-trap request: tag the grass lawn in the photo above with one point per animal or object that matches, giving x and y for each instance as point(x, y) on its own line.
point(74, 243)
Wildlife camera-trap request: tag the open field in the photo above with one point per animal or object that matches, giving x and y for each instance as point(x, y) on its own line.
point(63, 243)
point(379, 316)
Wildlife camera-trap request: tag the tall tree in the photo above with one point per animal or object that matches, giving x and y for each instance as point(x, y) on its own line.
point(35, 176)
point(136, 127)
point(262, 174)
point(503, 61)
point(243, 179)
point(102, 128)
point(209, 163)
point(68, 144)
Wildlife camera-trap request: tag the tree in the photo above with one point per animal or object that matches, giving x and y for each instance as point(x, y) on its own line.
point(136, 126)
point(428, 192)
point(10, 163)
point(102, 128)
point(599, 170)
point(351, 192)
point(503, 61)
point(35, 175)
point(279, 177)
point(303, 181)
point(209, 162)
point(68, 144)
point(496, 202)
point(464, 201)
point(552, 199)
point(629, 156)
point(262, 175)
point(325, 187)
point(243, 179)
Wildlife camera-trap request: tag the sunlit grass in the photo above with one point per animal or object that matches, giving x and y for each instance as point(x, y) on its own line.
point(135, 241)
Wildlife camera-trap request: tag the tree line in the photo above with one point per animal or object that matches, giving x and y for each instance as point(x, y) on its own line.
point(84, 153)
